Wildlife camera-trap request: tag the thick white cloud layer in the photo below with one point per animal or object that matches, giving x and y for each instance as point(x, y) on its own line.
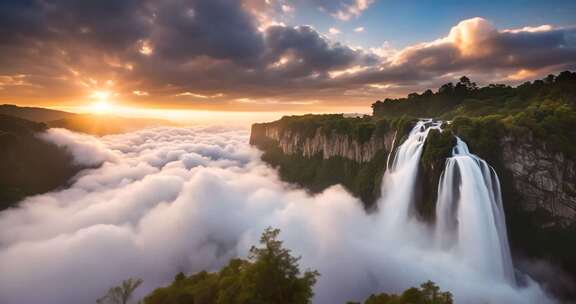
point(167, 200)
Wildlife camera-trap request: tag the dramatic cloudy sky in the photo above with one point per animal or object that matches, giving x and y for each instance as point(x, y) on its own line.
point(273, 55)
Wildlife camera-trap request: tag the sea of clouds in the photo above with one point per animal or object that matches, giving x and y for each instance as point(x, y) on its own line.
point(167, 200)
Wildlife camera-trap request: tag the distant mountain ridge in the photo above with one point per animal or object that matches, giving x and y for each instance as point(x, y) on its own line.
point(34, 113)
point(30, 165)
point(95, 124)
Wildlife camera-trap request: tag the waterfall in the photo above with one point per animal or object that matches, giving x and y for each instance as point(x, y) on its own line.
point(470, 216)
point(399, 181)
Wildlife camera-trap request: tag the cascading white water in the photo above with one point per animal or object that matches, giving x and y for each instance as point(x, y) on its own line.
point(399, 181)
point(470, 216)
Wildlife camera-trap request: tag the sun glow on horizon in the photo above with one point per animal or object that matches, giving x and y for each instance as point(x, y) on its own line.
point(101, 107)
point(102, 104)
point(105, 102)
point(188, 117)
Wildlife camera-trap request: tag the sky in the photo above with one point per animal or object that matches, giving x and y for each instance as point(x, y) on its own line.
point(270, 55)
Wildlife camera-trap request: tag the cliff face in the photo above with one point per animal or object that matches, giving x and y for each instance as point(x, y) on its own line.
point(542, 178)
point(326, 143)
point(315, 155)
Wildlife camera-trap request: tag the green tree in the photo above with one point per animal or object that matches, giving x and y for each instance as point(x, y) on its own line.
point(270, 276)
point(275, 275)
point(121, 294)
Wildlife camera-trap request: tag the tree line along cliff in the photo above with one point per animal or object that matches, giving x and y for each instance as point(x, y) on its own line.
point(527, 133)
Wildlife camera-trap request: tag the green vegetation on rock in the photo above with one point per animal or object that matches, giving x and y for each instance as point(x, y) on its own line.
point(437, 148)
point(360, 129)
point(316, 174)
point(543, 108)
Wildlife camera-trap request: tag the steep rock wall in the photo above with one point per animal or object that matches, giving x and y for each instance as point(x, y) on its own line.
point(324, 142)
point(319, 157)
point(542, 178)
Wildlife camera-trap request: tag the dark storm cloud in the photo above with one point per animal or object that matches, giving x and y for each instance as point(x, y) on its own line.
point(536, 49)
point(313, 51)
point(108, 24)
point(223, 30)
point(216, 28)
point(19, 18)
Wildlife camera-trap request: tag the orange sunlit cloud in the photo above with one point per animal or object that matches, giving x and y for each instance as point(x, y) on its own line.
point(165, 56)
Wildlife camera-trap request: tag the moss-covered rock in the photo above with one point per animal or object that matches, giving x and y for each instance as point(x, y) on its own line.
point(437, 148)
point(482, 135)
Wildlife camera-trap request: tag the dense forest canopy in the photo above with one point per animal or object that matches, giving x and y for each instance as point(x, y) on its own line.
point(545, 109)
point(466, 98)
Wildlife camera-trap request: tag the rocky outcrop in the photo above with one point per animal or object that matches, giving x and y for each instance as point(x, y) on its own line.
point(542, 178)
point(327, 143)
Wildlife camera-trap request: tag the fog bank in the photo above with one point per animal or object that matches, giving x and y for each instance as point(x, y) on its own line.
point(172, 199)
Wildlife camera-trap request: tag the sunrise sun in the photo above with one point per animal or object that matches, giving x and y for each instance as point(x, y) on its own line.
point(101, 102)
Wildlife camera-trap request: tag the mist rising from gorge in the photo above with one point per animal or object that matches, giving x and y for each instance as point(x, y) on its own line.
point(188, 199)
